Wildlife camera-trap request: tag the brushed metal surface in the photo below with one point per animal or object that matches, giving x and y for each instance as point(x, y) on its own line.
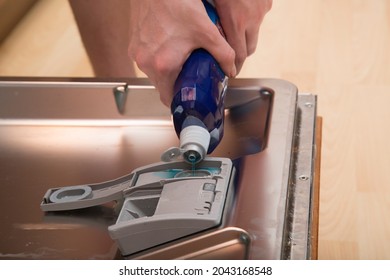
point(227, 243)
point(299, 214)
point(70, 132)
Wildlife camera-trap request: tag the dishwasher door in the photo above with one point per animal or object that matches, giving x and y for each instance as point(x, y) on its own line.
point(63, 132)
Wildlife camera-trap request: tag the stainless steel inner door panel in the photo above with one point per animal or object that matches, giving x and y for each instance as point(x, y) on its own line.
point(63, 132)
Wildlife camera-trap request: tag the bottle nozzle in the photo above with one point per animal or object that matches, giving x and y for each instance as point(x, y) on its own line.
point(193, 153)
point(194, 143)
point(194, 140)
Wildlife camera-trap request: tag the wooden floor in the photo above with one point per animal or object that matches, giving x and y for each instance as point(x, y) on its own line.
point(339, 50)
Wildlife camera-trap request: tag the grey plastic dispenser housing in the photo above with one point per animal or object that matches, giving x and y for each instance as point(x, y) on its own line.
point(162, 201)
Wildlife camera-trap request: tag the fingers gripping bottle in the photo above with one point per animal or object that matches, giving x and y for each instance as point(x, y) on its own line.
point(198, 104)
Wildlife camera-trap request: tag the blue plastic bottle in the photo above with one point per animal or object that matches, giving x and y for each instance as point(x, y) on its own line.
point(198, 104)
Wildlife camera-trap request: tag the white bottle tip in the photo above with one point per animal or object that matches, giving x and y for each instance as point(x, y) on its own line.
point(195, 141)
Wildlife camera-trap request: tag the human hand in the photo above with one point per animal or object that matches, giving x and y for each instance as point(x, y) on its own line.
point(241, 20)
point(164, 33)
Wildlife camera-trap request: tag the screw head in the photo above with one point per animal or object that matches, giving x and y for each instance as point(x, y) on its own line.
point(304, 177)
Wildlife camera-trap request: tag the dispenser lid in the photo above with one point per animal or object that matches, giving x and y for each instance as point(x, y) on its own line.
point(162, 201)
point(83, 196)
point(184, 202)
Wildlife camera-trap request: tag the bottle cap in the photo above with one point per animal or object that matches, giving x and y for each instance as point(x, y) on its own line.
point(194, 141)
